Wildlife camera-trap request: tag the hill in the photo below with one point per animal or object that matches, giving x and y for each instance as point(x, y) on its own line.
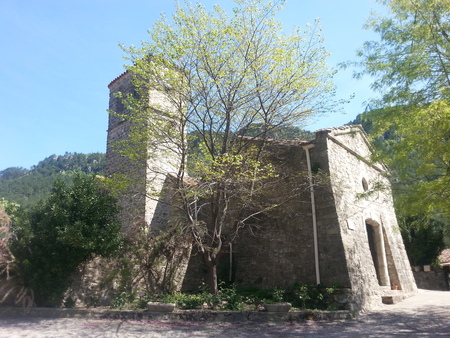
point(27, 186)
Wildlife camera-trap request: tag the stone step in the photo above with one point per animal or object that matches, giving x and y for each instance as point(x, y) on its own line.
point(390, 292)
point(392, 299)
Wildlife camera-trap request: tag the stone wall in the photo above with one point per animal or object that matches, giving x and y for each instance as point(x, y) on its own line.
point(146, 175)
point(432, 280)
point(363, 205)
point(133, 200)
point(279, 251)
point(332, 260)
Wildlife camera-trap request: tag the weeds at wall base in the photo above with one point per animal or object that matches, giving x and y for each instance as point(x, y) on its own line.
point(229, 298)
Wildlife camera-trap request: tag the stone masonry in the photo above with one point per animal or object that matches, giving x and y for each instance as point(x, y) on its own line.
point(343, 231)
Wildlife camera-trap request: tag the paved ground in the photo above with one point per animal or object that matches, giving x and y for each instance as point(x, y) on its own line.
point(426, 314)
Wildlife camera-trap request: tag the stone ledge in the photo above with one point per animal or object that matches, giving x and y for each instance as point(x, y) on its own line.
point(278, 307)
point(395, 296)
point(181, 315)
point(160, 307)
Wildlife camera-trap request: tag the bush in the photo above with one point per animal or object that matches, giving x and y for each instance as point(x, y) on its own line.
point(423, 238)
point(318, 297)
point(184, 301)
point(122, 300)
point(53, 239)
point(229, 298)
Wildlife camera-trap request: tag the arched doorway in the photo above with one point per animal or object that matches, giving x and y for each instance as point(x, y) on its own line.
point(378, 251)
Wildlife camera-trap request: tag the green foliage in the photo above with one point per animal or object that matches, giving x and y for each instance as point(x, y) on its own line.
point(122, 300)
point(5, 233)
point(410, 130)
point(278, 295)
point(411, 66)
point(410, 63)
point(198, 152)
point(301, 296)
point(185, 301)
point(12, 173)
point(423, 238)
point(229, 298)
point(414, 142)
point(28, 186)
point(49, 242)
point(12, 209)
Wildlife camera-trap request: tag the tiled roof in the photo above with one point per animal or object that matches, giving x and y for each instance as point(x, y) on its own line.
point(341, 128)
point(117, 78)
point(186, 179)
point(275, 141)
point(444, 257)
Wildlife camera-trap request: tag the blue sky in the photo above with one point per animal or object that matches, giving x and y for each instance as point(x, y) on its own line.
point(58, 56)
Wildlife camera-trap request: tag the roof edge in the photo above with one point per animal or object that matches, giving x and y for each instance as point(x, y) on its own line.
point(118, 78)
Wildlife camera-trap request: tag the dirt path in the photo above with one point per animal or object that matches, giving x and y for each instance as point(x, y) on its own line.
point(426, 314)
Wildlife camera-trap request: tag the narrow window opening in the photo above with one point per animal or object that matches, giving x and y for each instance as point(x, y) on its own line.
point(365, 185)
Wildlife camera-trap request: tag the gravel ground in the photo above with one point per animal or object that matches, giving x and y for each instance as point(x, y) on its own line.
point(425, 314)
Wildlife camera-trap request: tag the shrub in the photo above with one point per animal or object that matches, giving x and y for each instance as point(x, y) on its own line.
point(229, 298)
point(53, 239)
point(305, 296)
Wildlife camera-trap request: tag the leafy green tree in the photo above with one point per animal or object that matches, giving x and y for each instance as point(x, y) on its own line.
point(411, 66)
point(423, 238)
point(49, 242)
point(215, 75)
point(423, 233)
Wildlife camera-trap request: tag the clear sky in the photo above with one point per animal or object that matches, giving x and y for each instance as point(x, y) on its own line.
point(58, 56)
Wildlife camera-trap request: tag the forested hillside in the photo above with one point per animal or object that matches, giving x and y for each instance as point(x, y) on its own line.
point(27, 186)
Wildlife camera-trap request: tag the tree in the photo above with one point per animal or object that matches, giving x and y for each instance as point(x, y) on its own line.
point(215, 76)
point(423, 238)
point(49, 242)
point(5, 254)
point(411, 66)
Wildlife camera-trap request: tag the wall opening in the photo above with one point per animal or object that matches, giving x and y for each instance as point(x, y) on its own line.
point(377, 249)
point(365, 185)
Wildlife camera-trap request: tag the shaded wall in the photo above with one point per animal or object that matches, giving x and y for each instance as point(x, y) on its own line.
point(133, 200)
point(279, 251)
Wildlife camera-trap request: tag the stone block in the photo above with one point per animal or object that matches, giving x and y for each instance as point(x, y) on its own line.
point(392, 299)
point(278, 307)
point(160, 307)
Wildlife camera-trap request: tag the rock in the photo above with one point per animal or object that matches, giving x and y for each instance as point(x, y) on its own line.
point(160, 307)
point(278, 307)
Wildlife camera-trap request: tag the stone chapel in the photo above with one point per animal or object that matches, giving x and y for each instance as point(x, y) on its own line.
point(346, 234)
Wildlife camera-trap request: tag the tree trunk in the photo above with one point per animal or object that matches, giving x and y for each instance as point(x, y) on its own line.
point(211, 264)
